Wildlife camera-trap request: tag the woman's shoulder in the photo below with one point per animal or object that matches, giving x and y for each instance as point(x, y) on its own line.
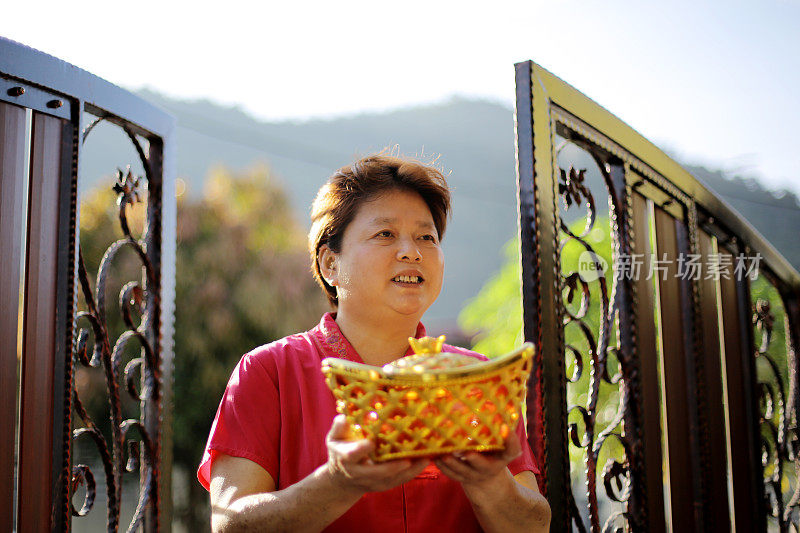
point(290, 349)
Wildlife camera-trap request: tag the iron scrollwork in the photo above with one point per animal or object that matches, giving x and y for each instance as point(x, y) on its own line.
point(778, 422)
point(597, 334)
point(132, 447)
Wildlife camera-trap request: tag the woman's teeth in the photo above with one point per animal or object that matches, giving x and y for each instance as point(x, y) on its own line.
point(407, 279)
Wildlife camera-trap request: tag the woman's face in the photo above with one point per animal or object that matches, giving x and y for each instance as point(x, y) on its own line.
point(390, 261)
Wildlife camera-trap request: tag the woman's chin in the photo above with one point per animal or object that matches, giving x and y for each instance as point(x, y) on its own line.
point(416, 309)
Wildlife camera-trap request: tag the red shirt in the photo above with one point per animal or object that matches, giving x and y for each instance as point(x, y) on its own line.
point(277, 410)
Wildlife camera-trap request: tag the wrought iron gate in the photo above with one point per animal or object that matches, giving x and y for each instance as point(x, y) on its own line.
point(54, 313)
point(680, 409)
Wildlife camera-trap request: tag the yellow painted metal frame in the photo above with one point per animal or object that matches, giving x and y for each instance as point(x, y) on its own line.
point(564, 103)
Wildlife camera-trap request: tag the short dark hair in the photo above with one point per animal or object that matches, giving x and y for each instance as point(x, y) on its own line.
point(349, 187)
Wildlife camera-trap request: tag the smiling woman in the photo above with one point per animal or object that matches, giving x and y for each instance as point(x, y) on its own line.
point(341, 197)
point(389, 265)
point(279, 458)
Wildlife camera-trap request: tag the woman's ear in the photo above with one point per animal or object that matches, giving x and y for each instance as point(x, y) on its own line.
point(327, 265)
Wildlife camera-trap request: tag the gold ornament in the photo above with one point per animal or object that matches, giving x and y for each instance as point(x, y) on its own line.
point(431, 402)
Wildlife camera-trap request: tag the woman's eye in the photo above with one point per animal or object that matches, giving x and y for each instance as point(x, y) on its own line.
point(429, 238)
point(384, 233)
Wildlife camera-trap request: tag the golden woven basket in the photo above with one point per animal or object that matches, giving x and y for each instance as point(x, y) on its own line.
point(431, 403)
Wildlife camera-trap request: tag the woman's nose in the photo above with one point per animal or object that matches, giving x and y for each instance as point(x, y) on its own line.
point(409, 252)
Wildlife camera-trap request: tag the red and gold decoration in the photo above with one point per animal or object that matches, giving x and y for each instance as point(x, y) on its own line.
point(431, 402)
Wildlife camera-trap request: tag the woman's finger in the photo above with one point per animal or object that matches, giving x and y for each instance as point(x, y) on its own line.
point(449, 472)
point(379, 477)
point(491, 462)
point(339, 429)
point(513, 447)
point(483, 463)
point(407, 474)
point(340, 444)
point(415, 469)
point(379, 471)
point(459, 466)
point(353, 451)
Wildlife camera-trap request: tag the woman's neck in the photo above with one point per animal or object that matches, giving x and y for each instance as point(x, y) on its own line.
point(377, 341)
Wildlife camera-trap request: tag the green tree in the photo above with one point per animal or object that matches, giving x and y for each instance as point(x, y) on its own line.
point(243, 280)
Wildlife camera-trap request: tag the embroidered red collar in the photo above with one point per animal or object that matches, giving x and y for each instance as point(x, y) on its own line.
point(337, 345)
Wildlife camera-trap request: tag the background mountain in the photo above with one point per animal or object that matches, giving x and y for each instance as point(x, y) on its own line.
point(473, 140)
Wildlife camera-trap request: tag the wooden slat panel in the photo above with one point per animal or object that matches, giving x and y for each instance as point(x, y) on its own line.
point(646, 350)
point(685, 513)
point(741, 416)
point(717, 485)
point(38, 360)
point(12, 220)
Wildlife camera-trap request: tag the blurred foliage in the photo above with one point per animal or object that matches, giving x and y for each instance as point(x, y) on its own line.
point(242, 280)
point(494, 317)
point(762, 289)
point(775, 351)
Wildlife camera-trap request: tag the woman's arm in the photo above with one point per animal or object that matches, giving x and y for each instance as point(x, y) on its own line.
point(243, 495)
point(501, 502)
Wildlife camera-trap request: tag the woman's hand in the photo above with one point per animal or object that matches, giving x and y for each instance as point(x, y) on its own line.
point(475, 468)
point(501, 502)
point(351, 468)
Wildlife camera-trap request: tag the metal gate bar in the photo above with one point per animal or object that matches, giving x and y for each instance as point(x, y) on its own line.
point(717, 479)
point(647, 352)
point(743, 447)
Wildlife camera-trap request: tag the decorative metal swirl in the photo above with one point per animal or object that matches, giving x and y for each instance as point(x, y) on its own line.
point(778, 423)
point(572, 189)
point(615, 473)
point(131, 447)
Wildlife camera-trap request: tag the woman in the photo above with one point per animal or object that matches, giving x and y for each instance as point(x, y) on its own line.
point(279, 458)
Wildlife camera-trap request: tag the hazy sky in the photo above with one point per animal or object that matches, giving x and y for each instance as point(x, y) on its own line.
point(715, 82)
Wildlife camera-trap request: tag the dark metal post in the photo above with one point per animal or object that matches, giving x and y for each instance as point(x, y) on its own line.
point(161, 254)
point(645, 507)
point(538, 227)
point(169, 217)
point(716, 458)
point(65, 310)
point(647, 356)
point(744, 446)
point(681, 437)
point(694, 376)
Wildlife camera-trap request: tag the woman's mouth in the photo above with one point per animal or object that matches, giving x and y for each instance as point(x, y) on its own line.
point(410, 280)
